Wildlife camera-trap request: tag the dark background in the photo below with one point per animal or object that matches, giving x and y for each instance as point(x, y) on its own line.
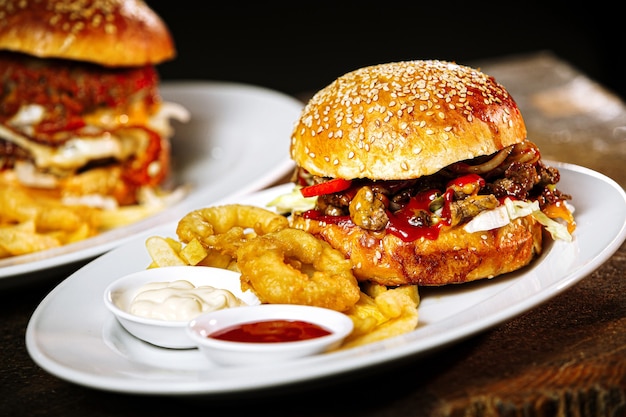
point(297, 47)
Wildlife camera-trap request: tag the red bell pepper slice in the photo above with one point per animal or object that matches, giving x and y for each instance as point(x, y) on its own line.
point(332, 186)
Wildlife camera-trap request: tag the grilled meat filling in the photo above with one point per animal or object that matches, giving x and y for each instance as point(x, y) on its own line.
point(519, 175)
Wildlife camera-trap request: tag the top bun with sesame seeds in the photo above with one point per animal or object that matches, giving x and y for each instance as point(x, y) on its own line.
point(403, 120)
point(106, 32)
point(420, 172)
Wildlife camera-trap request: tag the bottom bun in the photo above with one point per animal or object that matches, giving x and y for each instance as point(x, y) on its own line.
point(454, 258)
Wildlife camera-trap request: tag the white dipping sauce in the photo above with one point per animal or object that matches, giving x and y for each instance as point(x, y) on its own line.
point(180, 300)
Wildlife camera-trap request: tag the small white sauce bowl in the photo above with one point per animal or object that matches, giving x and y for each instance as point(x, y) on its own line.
point(230, 353)
point(169, 334)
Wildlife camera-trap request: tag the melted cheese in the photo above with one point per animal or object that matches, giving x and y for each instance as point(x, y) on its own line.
point(78, 151)
point(75, 152)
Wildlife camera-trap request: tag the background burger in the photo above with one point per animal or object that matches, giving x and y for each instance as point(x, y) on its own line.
point(81, 118)
point(421, 173)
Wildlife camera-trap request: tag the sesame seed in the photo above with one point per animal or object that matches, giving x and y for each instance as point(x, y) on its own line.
point(110, 29)
point(71, 16)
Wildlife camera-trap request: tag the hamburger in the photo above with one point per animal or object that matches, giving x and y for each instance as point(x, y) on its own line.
point(81, 118)
point(421, 172)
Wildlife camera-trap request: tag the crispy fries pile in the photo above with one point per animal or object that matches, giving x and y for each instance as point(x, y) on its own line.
point(383, 312)
point(379, 314)
point(31, 223)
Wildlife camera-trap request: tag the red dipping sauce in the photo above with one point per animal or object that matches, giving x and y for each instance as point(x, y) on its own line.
point(271, 331)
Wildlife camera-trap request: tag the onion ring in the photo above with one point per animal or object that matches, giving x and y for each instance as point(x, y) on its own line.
point(292, 266)
point(226, 227)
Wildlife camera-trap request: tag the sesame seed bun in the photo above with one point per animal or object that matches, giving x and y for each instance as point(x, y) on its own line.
point(403, 159)
point(106, 32)
point(404, 120)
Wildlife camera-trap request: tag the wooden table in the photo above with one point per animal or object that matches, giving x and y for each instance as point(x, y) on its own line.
point(566, 357)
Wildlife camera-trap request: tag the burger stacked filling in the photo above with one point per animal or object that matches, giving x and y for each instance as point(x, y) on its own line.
point(416, 208)
point(68, 91)
point(51, 102)
point(60, 118)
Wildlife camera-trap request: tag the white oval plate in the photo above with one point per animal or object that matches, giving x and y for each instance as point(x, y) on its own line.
point(237, 141)
point(72, 335)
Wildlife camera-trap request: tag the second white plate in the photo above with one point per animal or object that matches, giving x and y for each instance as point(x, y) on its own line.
point(73, 336)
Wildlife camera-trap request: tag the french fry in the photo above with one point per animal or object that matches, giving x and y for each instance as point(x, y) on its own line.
point(193, 253)
point(164, 251)
point(16, 206)
point(122, 216)
point(22, 239)
point(29, 224)
point(56, 217)
point(384, 314)
point(4, 253)
point(218, 259)
point(45, 221)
